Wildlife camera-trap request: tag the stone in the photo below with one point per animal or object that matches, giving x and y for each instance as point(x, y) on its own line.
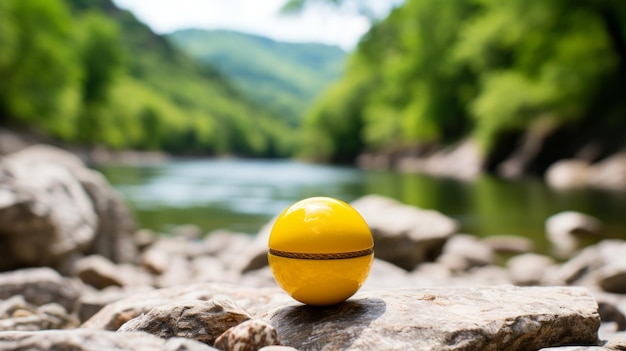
point(247, 336)
point(609, 313)
point(616, 342)
point(187, 231)
point(384, 275)
point(253, 300)
point(576, 348)
point(462, 252)
point(87, 340)
point(447, 318)
point(45, 214)
point(566, 230)
point(277, 348)
point(178, 272)
point(212, 269)
point(40, 286)
point(610, 173)
point(53, 208)
point(509, 244)
point(404, 235)
point(203, 321)
point(98, 272)
point(528, 269)
point(595, 266)
point(462, 161)
point(92, 301)
point(612, 278)
point(569, 174)
point(17, 314)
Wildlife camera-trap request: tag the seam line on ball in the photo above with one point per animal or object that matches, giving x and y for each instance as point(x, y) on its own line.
point(322, 256)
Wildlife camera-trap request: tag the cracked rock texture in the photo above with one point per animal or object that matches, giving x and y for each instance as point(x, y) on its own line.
point(486, 318)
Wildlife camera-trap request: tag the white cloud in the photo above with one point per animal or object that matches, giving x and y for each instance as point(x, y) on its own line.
point(262, 17)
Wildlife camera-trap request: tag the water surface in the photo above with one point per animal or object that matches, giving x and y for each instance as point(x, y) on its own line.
point(242, 195)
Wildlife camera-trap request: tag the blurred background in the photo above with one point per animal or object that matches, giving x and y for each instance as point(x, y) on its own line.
point(498, 113)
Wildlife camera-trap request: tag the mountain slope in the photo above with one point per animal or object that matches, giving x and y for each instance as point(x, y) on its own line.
point(86, 71)
point(286, 77)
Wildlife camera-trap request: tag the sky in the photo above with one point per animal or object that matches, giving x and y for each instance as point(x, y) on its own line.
point(318, 23)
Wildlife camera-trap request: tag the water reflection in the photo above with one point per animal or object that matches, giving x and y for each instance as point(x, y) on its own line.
point(243, 195)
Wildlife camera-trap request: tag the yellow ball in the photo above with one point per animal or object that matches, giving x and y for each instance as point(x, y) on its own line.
point(320, 251)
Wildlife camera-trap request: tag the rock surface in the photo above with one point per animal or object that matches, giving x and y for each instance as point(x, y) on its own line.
point(566, 230)
point(40, 286)
point(252, 300)
point(89, 340)
point(203, 321)
point(251, 335)
point(404, 235)
point(489, 318)
point(52, 208)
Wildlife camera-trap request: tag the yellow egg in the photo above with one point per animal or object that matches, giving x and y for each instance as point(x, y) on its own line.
point(320, 251)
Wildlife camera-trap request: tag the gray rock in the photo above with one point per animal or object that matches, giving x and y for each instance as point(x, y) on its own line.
point(98, 272)
point(178, 272)
point(253, 300)
point(92, 301)
point(509, 244)
point(609, 313)
point(247, 336)
point(610, 173)
point(595, 266)
point(462, 161)
point(40, 286)
point(277, 348)
point(89, 340)
point(404, 235)
point(52, 208)
point(384, 275)
point(45, 214)
point(462, 252)
point(528, 269)
point(617, 341)
point(566, 230)
point(569, 174)
point(480, 318)
point(17, 314)
point(203, 321)
point(612, 278)
point(576, 348)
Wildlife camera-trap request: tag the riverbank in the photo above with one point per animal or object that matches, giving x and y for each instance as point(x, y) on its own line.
point(430, 287)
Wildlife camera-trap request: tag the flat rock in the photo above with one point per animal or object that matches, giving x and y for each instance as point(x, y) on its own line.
point(462, 252)
point(404, 235)
point(528, 269)
point(98, 272)
point(88, 340)
point(479, 318)
point(203, 321)
point(567, 230)
point(253, 300)
point(40, 286)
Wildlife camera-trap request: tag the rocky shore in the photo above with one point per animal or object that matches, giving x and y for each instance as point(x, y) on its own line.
point(76, 274)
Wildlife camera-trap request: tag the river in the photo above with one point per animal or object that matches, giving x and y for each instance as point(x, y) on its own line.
point(242, 195)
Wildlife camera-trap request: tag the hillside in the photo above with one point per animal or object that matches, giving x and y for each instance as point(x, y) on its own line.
point(97, 76)
point(504, 73)
point(286, 77)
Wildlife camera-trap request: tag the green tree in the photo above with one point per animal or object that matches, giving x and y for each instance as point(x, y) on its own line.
point(40, 84)
point(101, 58)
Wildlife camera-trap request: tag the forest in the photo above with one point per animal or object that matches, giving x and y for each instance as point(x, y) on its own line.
point(431, 73)
point(435, 72)
point(86, 72)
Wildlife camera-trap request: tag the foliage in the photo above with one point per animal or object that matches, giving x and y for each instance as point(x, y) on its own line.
point(285, 77)
point(436, 71)
point(86, 71)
